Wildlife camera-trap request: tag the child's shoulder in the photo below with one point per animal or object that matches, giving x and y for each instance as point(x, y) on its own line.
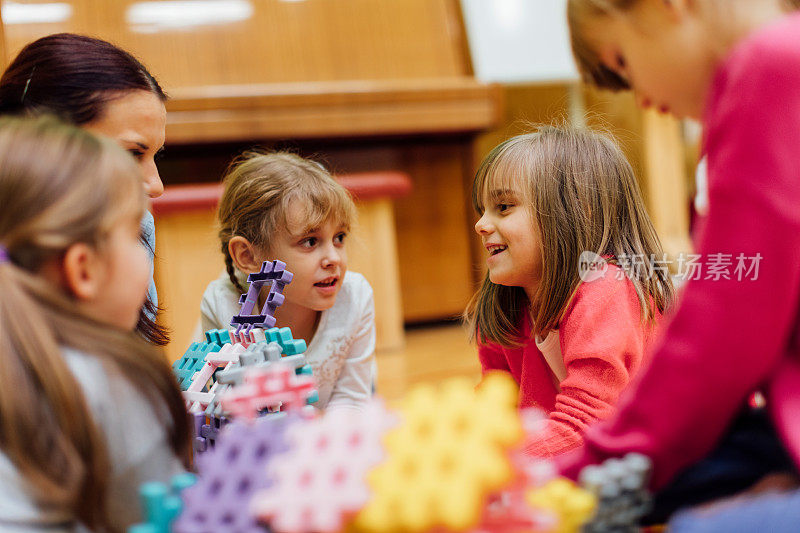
point(770, 50)
point(613, 286)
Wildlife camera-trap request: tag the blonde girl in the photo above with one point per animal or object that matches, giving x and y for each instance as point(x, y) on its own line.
point(281, 206)
point(571, 339)
point(88, 410)
point(734, 65)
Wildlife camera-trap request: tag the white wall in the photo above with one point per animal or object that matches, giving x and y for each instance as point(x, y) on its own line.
point(518, 41)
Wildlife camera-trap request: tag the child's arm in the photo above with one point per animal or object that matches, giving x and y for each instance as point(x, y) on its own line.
point(729, 336)
point(354, 386)
point(603, 343)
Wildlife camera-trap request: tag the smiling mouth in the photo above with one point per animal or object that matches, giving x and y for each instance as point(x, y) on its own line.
point(497, 250)
point(330, 282)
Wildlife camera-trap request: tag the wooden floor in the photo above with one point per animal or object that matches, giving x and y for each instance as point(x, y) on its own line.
point(431, 354)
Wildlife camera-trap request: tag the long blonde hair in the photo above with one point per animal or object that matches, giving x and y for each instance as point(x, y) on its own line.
point(60, 185)
point(259, 188)
point(584, 197)
point(581, 12)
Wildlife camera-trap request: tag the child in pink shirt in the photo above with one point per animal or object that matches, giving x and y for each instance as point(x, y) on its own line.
point(735, 65)
point(554, 204)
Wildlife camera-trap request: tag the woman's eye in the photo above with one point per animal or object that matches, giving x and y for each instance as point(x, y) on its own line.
point(138, 154)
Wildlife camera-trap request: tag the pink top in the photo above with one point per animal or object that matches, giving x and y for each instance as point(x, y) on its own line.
point(729, 337)
point(603, 343)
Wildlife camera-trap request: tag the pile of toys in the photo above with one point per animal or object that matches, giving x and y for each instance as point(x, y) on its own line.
point(447, 458)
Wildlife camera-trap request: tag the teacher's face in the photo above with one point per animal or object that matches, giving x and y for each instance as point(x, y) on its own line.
point(136, 120)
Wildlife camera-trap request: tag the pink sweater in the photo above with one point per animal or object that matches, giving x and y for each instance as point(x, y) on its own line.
point(729, 337)
point(603, 342)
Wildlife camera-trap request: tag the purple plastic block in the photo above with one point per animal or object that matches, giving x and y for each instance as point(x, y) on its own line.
point(206, 432)
point(230, 474)
point(271, 271)
point(199, 443)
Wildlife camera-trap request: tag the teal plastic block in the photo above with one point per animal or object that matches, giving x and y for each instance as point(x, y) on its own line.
point(272, 335)
point(313, 397)
point(218, 336)
point(294, 347)
point(162, 504)
point(192, 361)
point(304, 370)
point(283, 336)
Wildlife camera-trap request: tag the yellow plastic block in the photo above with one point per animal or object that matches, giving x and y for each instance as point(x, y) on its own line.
point(448, 454)
point(572, 505)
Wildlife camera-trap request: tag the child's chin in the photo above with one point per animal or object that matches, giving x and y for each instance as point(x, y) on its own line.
point(498, 278)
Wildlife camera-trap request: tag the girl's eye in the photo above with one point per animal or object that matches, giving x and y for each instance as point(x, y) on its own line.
point(339, 238)
point(138, 154)
point(620, 62)
point(309, 242)
point(503, 207)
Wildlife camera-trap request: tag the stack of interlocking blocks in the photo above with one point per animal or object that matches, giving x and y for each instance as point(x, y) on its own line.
point(207, 370)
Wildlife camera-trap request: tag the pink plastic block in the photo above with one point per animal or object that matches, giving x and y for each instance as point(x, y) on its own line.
point(322, 478)
point(274, 386)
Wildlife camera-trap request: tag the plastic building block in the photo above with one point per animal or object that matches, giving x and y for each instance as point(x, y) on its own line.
point(620, 488)
point(199, 393)
point(445, 459)
point(162, 504)
point(273, 386)
point(289, 344)
point(271, 271)
point(257, 356)
point(509, 512)
point(571, 505)
point(322, 479)
point(218, 336)
point(192, 361)
point(206, 431)
point(229, 476)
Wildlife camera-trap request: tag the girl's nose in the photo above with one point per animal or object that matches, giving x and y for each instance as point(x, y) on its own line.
point(331, 258)
point(483, 226)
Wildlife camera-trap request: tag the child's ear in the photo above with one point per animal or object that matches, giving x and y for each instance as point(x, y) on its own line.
point(82, 271)
point(243, 254)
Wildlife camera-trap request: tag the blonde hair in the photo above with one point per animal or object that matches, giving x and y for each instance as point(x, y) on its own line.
point(260, 187)
point(60, 185)
point(580, 13)
point(584, 197)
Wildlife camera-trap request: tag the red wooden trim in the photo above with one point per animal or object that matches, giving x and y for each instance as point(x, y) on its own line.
point(363, 186)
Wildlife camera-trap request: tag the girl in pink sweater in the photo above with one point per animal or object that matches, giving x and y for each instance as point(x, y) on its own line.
point(571, 298)
point(735, 65)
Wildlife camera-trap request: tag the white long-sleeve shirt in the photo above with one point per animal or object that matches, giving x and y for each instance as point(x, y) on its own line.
point(137, 446)
point(342, 351)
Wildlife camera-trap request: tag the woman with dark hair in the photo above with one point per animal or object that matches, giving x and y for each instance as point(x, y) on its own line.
point(97, 86)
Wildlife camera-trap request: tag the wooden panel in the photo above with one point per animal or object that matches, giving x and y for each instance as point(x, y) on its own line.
point(272, 41)
point(330, 109)
point(666, 181)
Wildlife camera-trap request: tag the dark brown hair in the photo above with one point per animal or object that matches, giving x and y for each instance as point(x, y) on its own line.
point(259, 188)
point(60, 185)
point(73, 77)
point(583, 196)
